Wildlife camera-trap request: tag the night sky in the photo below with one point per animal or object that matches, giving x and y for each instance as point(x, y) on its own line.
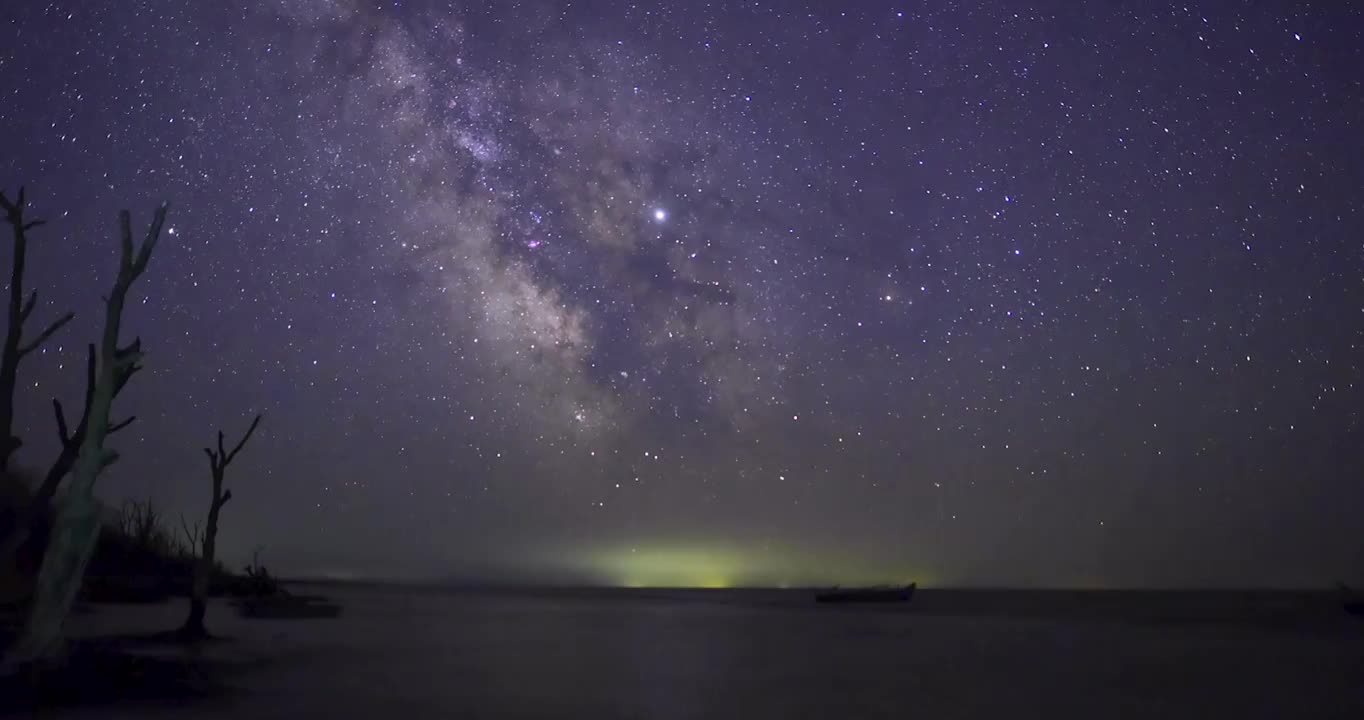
point(718, 294)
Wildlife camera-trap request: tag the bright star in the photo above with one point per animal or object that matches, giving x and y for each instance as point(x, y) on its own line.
point(660, 215)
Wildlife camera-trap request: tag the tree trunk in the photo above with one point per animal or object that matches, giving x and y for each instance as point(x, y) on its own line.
point(73, 539)
point(69, 549)
point(194, 625)
point(9, 372)
point(26, 518)
point(9, 360)
point(203, 570)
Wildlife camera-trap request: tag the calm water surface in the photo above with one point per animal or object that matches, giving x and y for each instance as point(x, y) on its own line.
point(602, 654)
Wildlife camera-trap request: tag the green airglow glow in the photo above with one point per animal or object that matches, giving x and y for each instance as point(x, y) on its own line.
point(716, 565)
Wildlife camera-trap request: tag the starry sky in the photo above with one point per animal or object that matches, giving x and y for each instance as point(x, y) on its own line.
point(718, 293)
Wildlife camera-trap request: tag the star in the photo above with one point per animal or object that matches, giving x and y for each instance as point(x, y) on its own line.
point(387, 221)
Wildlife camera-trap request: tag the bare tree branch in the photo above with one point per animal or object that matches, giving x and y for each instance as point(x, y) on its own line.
point(63, 434)
point(126, 512)
point(124, 376)
point(241, 442)
point(19, 310)
point(115, 427)
point(144, 255)
point(9, 207)
point(126, 358)
point(74, 440)
point(90, 375)
point(192, 537)
point(44, 335)
point(125, 242)
point(28, 305)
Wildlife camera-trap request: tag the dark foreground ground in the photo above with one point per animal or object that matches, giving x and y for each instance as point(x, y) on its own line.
point(407, 652)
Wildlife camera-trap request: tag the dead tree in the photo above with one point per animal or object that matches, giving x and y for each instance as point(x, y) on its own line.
point(71, 440)
point(218, 460)
point(194, 537)
point(77, 526)
point(15, 349)
point(141, 523)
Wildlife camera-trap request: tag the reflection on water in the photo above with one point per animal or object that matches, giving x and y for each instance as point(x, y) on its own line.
point(670, 654)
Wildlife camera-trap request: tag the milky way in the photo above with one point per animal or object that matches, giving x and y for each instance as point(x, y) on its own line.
point(759, 293)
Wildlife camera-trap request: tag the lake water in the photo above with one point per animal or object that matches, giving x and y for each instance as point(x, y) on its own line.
point(772, 654)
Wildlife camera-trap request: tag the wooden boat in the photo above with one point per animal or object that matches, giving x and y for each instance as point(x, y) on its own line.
point(867, 595)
